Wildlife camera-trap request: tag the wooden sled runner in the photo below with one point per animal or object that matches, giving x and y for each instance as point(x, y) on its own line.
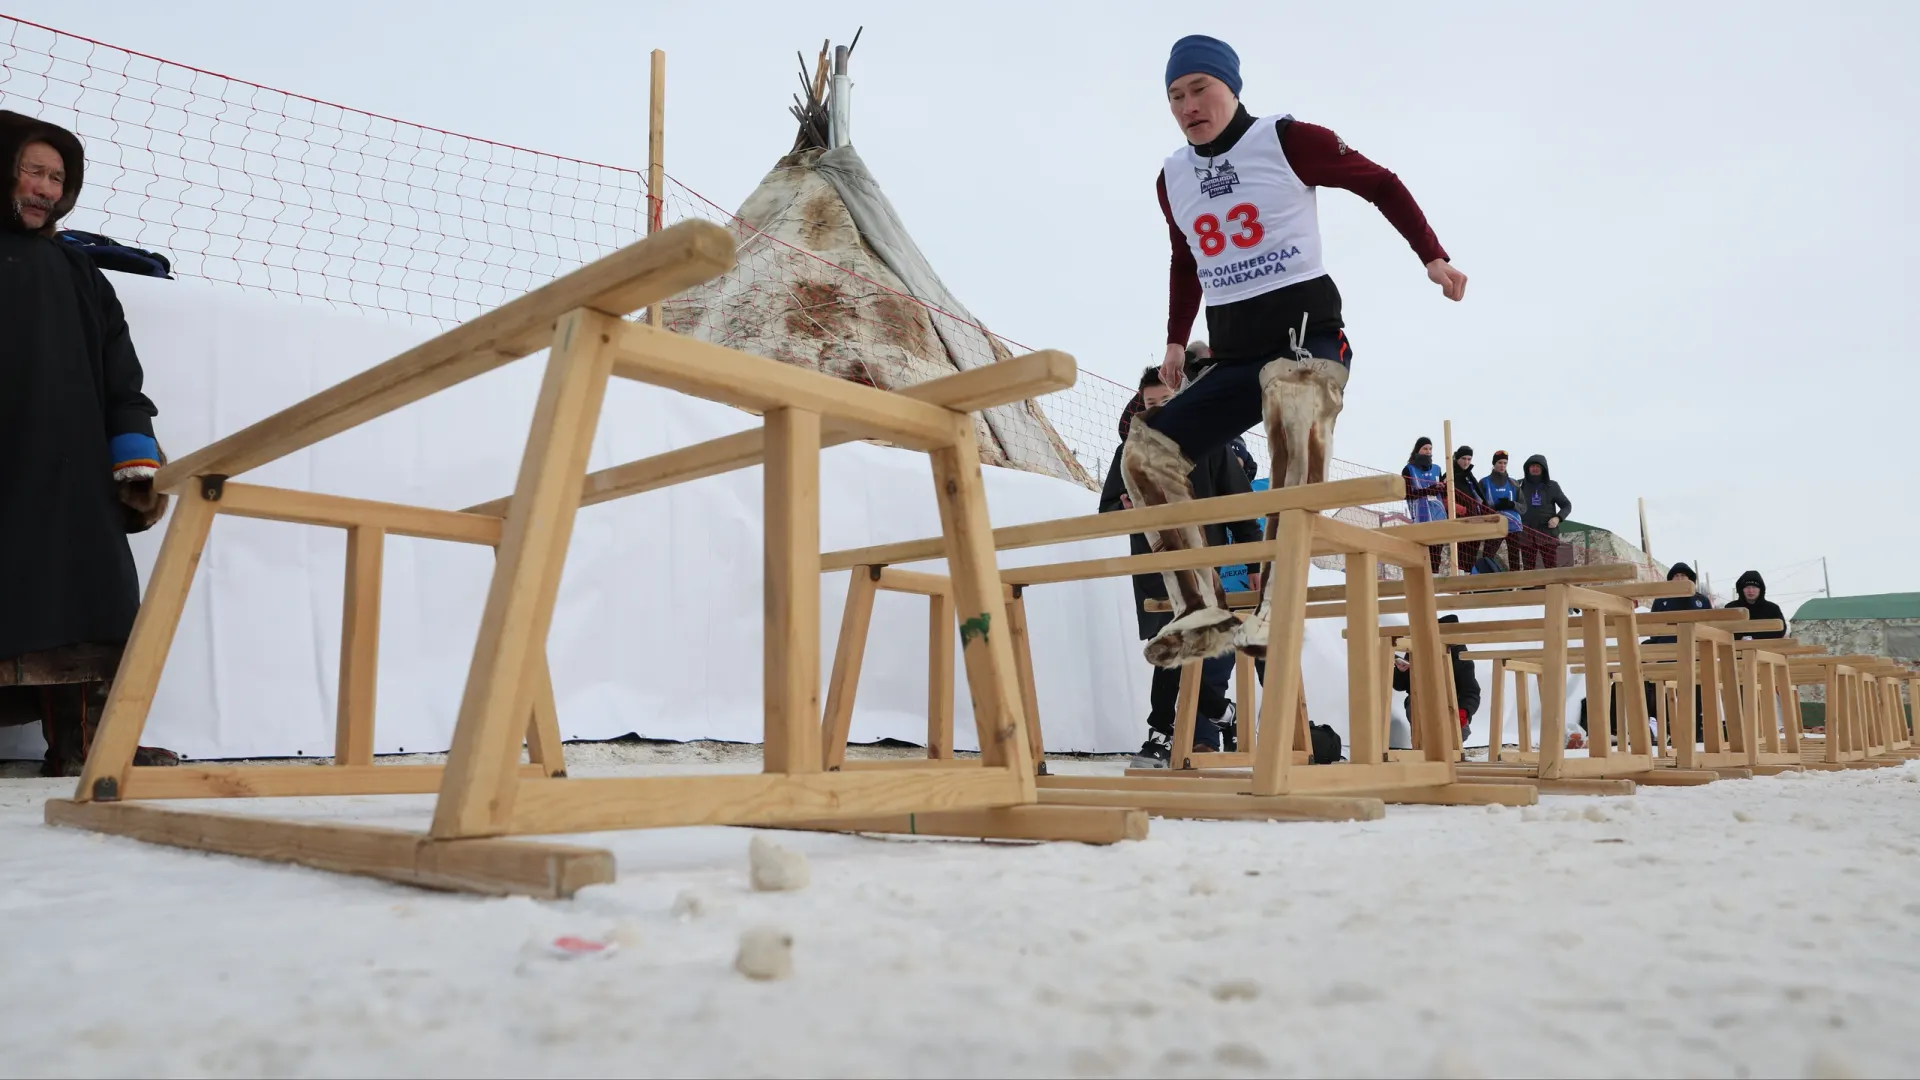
point(485, 792)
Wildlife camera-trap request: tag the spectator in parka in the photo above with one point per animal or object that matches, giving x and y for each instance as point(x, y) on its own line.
point(1466, 685)
point(1751, 592)
point(1543, 506)
point(1425, 486)
point(1245, 457)
point(1699, 601)
point(1502, 495)
point(1219, 473)
point(1466, 503)
point(77, 452)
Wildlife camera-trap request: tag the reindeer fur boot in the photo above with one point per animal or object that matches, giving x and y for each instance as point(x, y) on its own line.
point(1157, 474)
point(1301, 398)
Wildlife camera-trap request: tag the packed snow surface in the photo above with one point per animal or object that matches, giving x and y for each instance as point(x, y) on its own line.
point(1766, 927)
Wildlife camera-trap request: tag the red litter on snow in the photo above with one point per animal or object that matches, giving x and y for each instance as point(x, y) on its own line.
point(573, 948)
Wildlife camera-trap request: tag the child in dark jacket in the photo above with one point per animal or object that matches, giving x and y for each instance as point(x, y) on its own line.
point(1219, 473)
point(1752, 595)
point(1466, 684)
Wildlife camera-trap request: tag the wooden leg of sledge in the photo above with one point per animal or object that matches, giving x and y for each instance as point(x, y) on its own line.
point(477, 797)
point(131, 696)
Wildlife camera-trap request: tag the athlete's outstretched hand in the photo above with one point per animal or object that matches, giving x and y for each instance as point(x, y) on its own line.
point(1173, 370)
point(1452, 282)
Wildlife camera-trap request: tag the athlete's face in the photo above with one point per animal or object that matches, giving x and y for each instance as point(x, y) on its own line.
point(1156, 396)
point(1202, 106)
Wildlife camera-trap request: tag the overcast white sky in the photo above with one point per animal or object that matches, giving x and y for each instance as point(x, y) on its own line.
point(1689, 227)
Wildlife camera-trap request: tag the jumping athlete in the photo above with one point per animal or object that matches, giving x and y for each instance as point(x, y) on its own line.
point(1240, 203)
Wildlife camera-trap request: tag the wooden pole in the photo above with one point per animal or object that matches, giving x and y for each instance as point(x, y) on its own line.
point(656, 159)
point(1644, 545)
point(1453, 549)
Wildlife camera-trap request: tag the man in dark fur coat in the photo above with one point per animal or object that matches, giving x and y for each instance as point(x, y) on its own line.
point(77, 453)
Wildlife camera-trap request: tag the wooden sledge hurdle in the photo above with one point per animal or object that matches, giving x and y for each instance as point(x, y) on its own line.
point(1328, 601)
point(1596, 627)
point(1607, 770)
point(1274, 788)
point(1606, 671)
point(1865, 725)
point(1603, 615)
point(1766, 685)
point(1706, 662)
point(484, 792)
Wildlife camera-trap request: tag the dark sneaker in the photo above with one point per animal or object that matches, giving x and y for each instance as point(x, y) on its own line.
point(1229, 726)
point(1207, 736)
point(1154, 752)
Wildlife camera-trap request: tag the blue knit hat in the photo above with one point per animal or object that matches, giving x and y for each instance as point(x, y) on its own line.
point(1197, 54)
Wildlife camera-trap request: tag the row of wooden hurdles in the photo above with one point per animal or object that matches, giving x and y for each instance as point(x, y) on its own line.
point(1269, 778)
point(1745, 693)
point(1746, 685)
point(486, 793)
point(1750, 720)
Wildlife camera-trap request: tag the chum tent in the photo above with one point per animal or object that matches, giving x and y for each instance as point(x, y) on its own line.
point(828, 278)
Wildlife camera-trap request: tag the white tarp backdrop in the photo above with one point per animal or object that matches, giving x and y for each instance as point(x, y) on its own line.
point(657, 631)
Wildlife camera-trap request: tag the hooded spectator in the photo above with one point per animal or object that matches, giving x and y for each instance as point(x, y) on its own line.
point(1543, 508)
point(1466, 502)
point(1245, 457)
point(1217, 474)
point(76, 444)
point(1466, 684)
point(1699, 601)
point(1502, 496)
point(1750, 592)
point(1425, 485)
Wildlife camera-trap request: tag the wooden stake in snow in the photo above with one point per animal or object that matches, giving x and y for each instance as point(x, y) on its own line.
point(656, 157)
point(1453, 550)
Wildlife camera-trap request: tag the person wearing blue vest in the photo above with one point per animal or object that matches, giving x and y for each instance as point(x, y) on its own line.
point(1499, 491)
point(1426, 484)
point(1239, 197)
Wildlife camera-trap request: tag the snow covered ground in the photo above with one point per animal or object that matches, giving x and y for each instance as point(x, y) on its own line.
point(1768, 927)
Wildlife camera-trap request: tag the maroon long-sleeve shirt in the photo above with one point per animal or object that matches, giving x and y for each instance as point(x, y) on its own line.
point(1256, 327)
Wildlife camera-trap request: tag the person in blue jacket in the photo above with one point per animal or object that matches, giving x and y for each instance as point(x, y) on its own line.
point(1499, 491)
point(1426, 485)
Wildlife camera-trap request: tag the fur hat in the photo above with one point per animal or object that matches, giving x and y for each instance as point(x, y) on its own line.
point(16, 131)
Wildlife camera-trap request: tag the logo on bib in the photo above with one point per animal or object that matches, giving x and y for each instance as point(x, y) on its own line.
point(1217, 180)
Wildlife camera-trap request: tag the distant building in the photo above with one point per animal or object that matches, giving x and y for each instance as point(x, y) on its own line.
point(1884, 624)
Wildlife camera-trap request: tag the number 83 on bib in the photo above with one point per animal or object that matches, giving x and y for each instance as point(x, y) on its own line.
point(1252, 225)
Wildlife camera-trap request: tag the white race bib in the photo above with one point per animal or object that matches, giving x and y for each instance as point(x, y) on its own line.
point(1252, 225)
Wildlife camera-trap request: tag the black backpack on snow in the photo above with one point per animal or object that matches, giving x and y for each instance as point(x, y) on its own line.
point(110, 254)
point(1326, 744)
